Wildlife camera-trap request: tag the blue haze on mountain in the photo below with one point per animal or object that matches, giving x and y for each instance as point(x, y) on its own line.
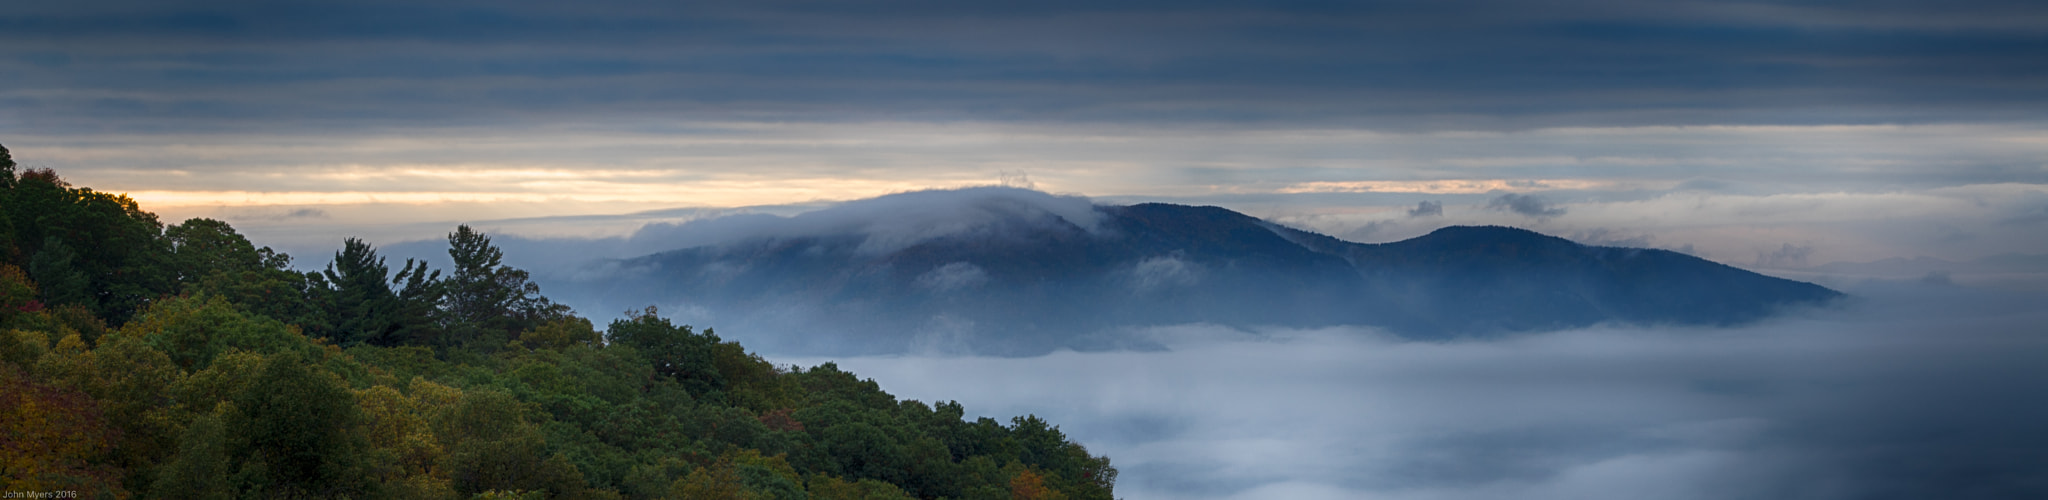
point(1008, 271)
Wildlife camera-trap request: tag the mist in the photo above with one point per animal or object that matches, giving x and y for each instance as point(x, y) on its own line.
point(1914, 390)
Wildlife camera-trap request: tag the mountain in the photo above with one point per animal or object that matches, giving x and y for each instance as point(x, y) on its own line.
point(1007, 271)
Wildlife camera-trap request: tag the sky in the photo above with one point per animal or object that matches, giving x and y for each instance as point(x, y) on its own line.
point(1775, 136)
point(1848, 131)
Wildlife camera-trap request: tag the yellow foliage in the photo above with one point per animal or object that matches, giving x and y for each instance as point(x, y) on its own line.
point(431, 395)
point(711, 483)
point(1028, 485)
point(22, 347)
point(824, 487)
point(398, 424)
point(560, 334)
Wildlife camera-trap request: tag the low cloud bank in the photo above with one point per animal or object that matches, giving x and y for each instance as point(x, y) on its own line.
point(1912, 391)
point(885, 223)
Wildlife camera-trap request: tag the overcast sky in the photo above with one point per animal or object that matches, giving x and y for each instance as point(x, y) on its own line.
point(1844, 130)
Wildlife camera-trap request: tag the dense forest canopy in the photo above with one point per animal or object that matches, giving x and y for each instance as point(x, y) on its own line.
point(139, 359)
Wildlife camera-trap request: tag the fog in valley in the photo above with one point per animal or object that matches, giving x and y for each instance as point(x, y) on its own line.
point(1911, 390)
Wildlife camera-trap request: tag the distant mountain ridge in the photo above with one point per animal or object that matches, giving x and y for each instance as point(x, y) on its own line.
point(1025, 281)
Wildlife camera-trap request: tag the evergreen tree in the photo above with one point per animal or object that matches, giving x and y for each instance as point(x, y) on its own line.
point(62, 282)
point(365, 308)
point(488, 302)
point(6, 168)
point(8, 251)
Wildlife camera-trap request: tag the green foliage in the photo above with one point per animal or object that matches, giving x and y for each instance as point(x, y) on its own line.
point(368, 309)
point(63, 282)
point(215, 382)
point(6, 168)
point(193, 330)
point(296, 432)
point(491, 447)
point(209, 258)
point(200, 470)
point(131, 381)
point(677, 352)
point(206, 247)
point(561, 333)
point(487, 301)
point(94, 249)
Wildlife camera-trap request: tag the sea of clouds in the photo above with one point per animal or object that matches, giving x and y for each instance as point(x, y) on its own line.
point(1908, 390)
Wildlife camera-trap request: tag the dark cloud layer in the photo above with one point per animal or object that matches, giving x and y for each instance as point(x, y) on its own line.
point(183, 66)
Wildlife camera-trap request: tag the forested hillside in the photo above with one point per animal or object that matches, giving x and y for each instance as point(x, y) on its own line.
point(145, 360)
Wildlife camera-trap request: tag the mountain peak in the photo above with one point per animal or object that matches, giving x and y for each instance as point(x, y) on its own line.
point(1487, 235)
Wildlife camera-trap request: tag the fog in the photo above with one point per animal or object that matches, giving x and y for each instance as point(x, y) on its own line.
point(884, 224)
point(1912, 390)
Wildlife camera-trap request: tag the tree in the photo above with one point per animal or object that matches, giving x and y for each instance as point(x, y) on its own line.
point(8, 252)
point(200, 470)
point(54, 436)
point(132, 383)
point(296, 424)
point(6, 168)
point(108, 239)
point(486, 300)
point(18, 294)
point(491, 446)
point(367, 310)
point(1028, 485)
point(62, 282)
point(675, 351)
point(194, 330)
point(205, 247)
point(209, 257)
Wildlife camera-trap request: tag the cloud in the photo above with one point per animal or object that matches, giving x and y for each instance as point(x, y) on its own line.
point(884, 224)
point(276, 214)
point(1529, 205)
point(1601, 236)
point(1164, 272)
point(1784, 257)
point(1914, 391)
point(346, 65)
point(2033, 211)
point(952, 277)
point(1426, 208)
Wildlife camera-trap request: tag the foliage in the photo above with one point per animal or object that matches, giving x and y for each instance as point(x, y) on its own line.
point(369, 310)
point(55, 437)
point(186, 362)
point(93, 249)
point(487, 301)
